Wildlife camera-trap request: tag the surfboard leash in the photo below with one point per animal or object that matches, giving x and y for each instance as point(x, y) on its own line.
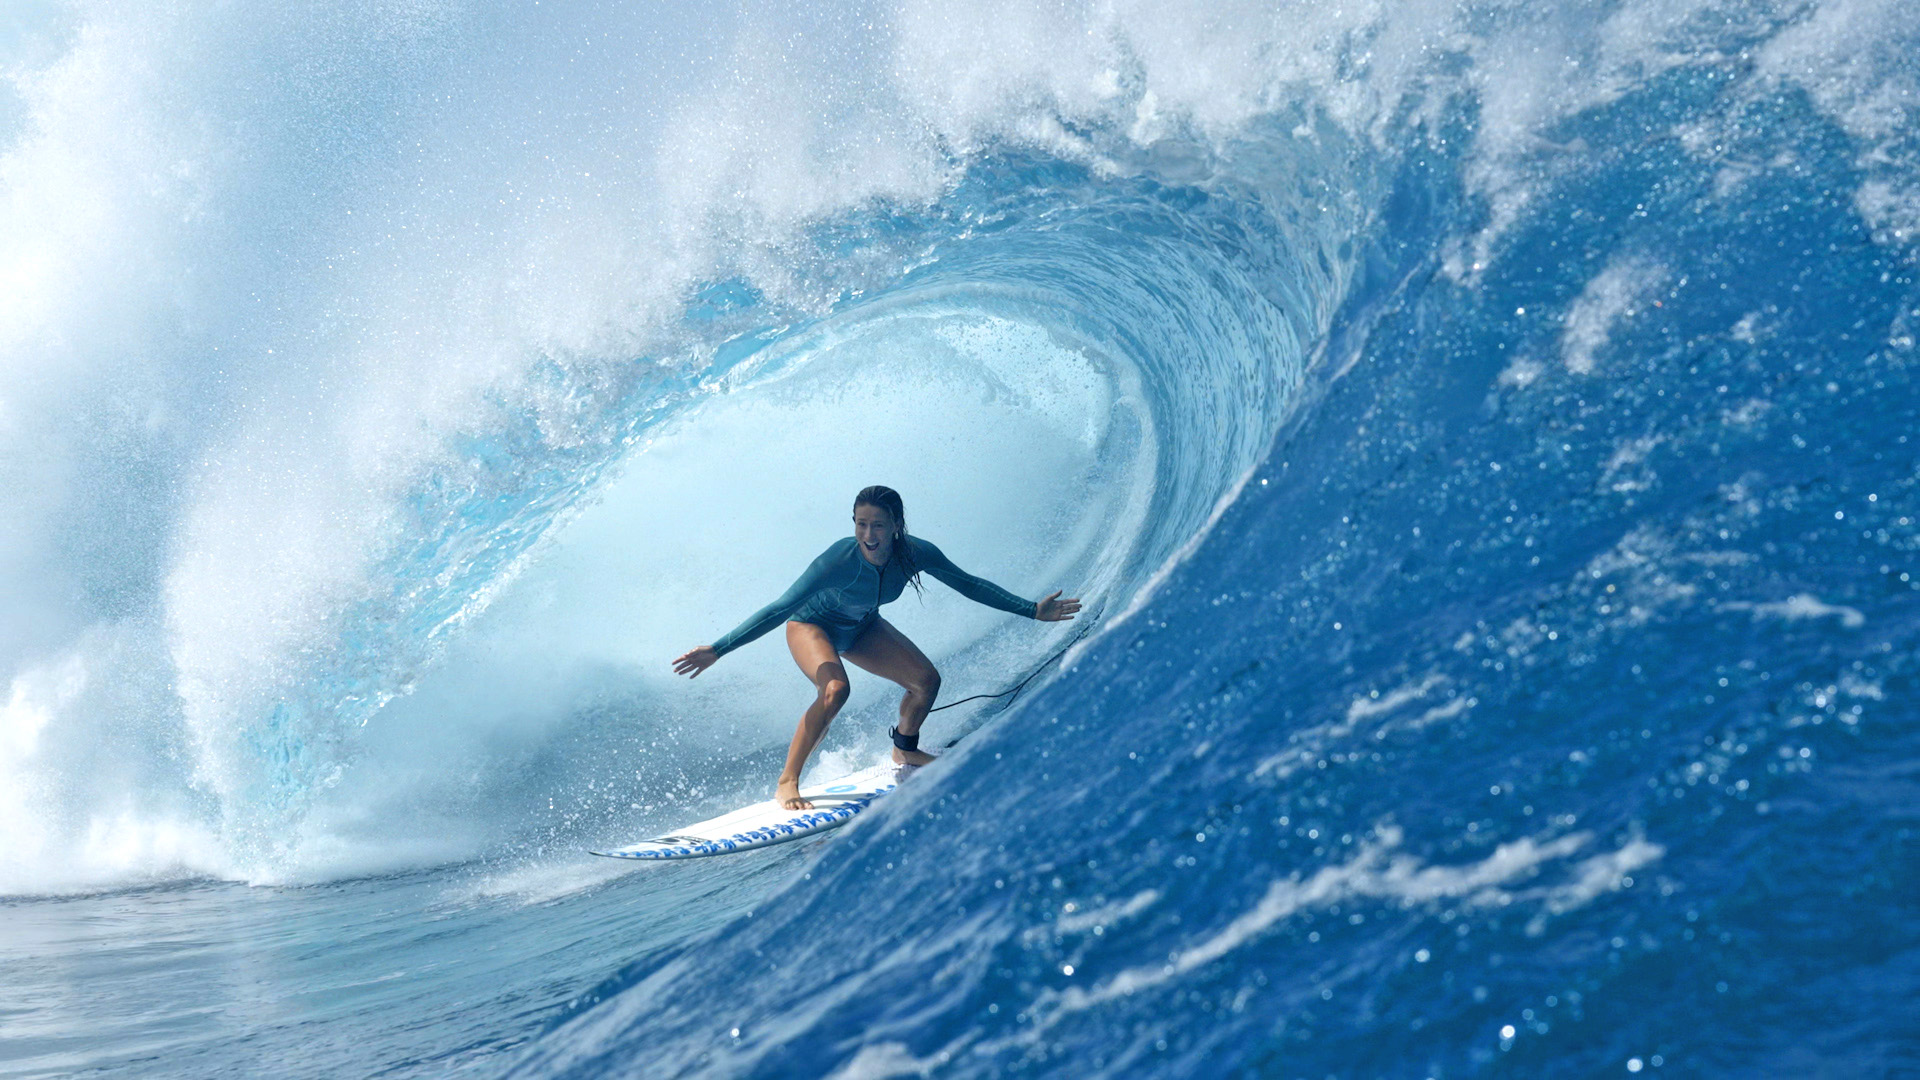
point(1031, 675)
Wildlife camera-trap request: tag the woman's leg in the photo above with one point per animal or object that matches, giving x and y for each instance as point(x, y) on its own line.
point(887, 653)
point(817, 658)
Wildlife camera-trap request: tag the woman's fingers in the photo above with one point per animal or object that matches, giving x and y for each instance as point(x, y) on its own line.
point(1053, 609)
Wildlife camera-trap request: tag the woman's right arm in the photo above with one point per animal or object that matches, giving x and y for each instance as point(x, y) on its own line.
point(780, 610)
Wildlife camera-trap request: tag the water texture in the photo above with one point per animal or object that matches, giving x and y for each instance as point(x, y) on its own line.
point(1483, 432)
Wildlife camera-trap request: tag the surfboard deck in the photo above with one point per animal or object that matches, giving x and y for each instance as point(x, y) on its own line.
point(765, 824)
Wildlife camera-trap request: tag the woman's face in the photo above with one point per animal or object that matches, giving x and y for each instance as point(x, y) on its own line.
point(874, 529)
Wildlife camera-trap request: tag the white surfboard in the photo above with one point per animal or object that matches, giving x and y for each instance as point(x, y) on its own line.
point(764, 824)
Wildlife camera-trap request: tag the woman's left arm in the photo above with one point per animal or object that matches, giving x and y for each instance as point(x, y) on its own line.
point(981, 591)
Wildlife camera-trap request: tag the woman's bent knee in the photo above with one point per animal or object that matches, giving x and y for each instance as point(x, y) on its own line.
point(928, 686)
point(833, 693)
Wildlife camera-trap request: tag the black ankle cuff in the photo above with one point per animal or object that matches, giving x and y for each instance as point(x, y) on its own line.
point(909, 743)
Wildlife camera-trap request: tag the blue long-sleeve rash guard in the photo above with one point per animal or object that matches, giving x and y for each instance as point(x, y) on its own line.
point(842, 589)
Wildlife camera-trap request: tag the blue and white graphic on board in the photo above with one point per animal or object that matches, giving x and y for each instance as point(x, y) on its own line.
point(764, 824)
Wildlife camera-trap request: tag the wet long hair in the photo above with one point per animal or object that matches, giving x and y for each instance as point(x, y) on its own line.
point(885, 498)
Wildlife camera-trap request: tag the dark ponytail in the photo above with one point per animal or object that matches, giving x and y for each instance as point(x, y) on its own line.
point(885, 498)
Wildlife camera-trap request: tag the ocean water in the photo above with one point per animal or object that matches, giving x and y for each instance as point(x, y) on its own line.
point(1484, 434)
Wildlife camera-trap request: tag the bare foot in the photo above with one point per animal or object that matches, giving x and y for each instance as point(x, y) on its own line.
point(911, 757)
point(787, 794)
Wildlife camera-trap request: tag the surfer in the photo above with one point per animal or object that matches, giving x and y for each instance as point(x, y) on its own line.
point(833, 612)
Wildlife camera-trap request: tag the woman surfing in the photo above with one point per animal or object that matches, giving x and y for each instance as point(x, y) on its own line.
point(833, 612)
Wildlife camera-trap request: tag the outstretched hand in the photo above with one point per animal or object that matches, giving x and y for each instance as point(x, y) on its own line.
point(1053, 609)
point(696, 661)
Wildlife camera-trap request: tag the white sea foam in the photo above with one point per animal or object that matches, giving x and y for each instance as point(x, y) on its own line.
point(1618, 293)
point(1375, 872)
point(1855, 59)
point(1310, 744)
point(1377, 704)
point(1800, 606)
point(1075, 919)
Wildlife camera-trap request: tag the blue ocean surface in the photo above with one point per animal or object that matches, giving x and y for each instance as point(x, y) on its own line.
point(1486, 437)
